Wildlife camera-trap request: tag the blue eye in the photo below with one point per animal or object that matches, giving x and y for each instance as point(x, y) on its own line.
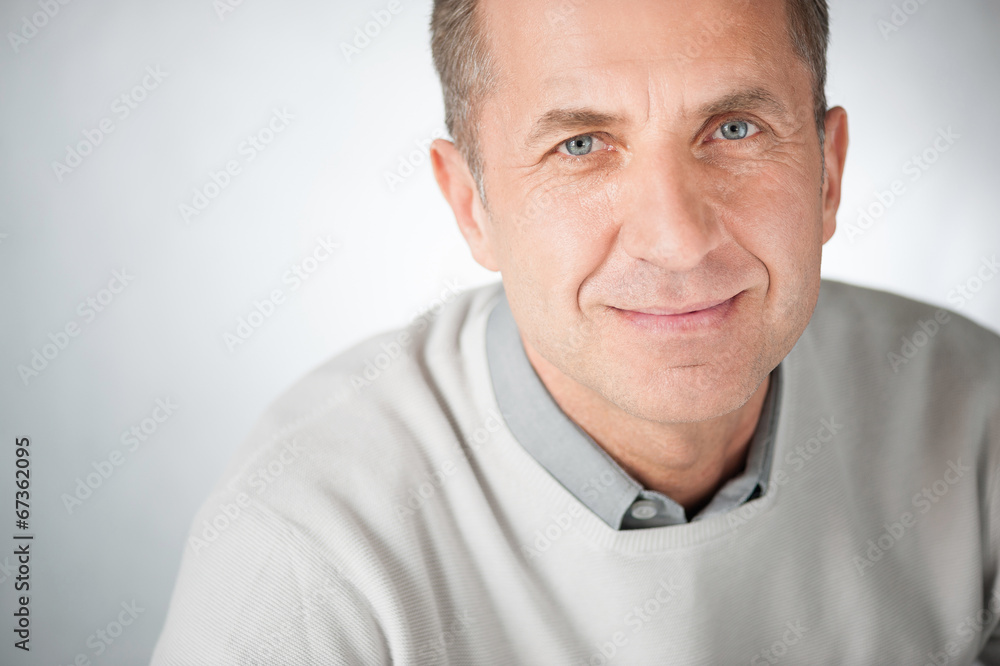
point(580, 146)
point(733, 130)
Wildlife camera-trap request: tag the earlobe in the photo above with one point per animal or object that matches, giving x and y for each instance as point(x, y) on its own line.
point(834, 157)
point(459, 189)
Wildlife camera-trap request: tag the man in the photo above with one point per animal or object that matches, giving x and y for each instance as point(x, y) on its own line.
point(662, 439)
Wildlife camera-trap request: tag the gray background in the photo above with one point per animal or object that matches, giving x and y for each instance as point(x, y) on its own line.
point(162, 337)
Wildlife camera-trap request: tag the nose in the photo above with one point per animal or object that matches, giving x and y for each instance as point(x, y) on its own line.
point(668, 220)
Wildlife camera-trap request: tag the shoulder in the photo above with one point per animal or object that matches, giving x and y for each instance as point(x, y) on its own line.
point(897, 333)
point(310, 503)
point(341, 449)
point(920, 380)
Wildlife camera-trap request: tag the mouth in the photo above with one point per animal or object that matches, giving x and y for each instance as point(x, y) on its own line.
point(695, 317)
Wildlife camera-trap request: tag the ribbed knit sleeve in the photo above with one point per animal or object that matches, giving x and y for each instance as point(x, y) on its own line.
point(259, 593)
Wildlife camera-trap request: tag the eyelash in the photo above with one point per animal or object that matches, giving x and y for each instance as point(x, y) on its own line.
point(576, 158)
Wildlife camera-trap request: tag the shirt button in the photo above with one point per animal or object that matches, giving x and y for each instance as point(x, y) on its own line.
point(643, 510)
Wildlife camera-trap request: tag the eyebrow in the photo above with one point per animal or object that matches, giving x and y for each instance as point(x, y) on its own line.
point(750, 99)
point(567, 120)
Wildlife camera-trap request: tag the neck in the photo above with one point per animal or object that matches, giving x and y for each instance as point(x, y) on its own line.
point(687, 462)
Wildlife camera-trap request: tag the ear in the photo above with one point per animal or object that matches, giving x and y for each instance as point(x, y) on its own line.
point(834, 156)
point(460, 191)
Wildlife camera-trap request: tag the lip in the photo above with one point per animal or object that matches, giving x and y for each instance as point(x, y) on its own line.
point(697, 317)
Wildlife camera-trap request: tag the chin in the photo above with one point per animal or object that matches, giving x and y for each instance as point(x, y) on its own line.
point(685, 395)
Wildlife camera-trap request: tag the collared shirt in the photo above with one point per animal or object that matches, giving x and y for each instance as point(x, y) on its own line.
point(570, 455)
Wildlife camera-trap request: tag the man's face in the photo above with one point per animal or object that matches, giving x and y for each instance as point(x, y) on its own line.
point(693, 178)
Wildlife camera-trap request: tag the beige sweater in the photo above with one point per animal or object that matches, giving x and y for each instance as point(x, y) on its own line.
point(393, 518)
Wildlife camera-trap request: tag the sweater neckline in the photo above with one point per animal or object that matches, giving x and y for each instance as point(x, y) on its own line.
point(648, 540)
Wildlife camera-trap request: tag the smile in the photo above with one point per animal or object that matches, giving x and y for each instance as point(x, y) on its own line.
point(695, 318)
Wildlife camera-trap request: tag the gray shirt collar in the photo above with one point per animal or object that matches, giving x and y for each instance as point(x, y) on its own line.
point(581, 465)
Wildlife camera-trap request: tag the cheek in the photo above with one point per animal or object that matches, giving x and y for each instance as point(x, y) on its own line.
point(561, 234)
point(779, 221)
point(774, 211)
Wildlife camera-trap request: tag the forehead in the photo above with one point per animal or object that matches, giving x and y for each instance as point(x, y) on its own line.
point(667, 52)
